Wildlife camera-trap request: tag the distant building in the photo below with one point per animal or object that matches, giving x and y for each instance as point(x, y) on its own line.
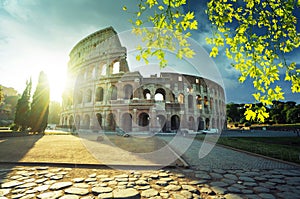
point(102, 94)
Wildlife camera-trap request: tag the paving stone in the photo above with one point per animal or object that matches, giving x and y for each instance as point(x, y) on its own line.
point(163, 175)
point(239, 186)
point(106, 179)
point(196, 182)
point(30, 191)
point(16, 177)
point(231, 176)
point(17, 191)
point(41, 180)
point(186, 194)
point(173, 187)
point(99, 190)
point(177, 196)
point(141, 182)
point(180, 175)
point(278, 181)
point(81, 185)
point(216, 176)
point(205, 190)
point(77, 191)
point(11, 184)
point(261, 189)
point(4, 192)
point(164, 195)
point(266, 196)
point(121, 179)
point(190, 188)
point(28, 196)
point(69, 197)
point(60, 185)
point(229, 181)
point(250, 184)
point(246, 191)
point(219, 190)
point(129, 193)
point(56, 177)
point(203, 176)
point(78, 180)
point(149, 193)
point(28, 180)
point(17, 196)
point(132, 179)
point(27, 185)
point(233, 189)
point(142, 187)
point(218, 184)
point(51, 195)
point(42, 188)
point(90, 180)
point(166, 179)
point(50, 182)
point(105, 195)
point(247, 179)
point(232, 196)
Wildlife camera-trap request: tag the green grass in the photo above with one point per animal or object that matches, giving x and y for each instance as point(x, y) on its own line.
point(284, 148)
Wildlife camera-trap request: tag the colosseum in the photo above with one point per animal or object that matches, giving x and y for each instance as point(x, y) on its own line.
point(102, 94)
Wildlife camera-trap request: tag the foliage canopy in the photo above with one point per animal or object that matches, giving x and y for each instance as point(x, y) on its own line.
point(255, 35)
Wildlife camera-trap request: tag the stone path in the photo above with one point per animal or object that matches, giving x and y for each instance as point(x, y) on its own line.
point(220, 157)
point(67, 183)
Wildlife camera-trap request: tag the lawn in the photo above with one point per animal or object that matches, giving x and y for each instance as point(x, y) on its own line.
point(284, 148)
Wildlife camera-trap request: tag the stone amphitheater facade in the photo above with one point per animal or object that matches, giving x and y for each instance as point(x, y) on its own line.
point(103, 94)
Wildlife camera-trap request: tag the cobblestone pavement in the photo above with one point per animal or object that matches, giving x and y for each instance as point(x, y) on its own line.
point(46, 183)
point(223, 173)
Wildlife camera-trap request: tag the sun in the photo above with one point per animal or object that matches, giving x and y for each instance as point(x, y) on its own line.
point(57, 81)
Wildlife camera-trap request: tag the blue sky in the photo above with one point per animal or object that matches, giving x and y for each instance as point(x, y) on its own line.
point(38, 35)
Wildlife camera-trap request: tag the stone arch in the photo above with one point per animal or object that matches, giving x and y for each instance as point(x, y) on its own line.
point(128, 91)
point(115, 67)
point(200, 124)
point(207, 121)
point(191, 123)
point(86, 122)
point(160, 94)
point(144, 121)
point(190, 102)
point(99, 94)
point(175, 122)
point(147, 94)
point(127, 122)
point(65, 120)
point(99, 119)
point(111, 122)
point(162, 122)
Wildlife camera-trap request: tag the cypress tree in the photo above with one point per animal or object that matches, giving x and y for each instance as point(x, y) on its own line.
point(40, 105)
point(23, 108)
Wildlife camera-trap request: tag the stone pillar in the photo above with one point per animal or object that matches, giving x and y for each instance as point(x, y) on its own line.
point(135, 126)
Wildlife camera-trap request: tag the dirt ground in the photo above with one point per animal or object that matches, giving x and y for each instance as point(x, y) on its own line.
point(113, 150)
point(47, 148)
